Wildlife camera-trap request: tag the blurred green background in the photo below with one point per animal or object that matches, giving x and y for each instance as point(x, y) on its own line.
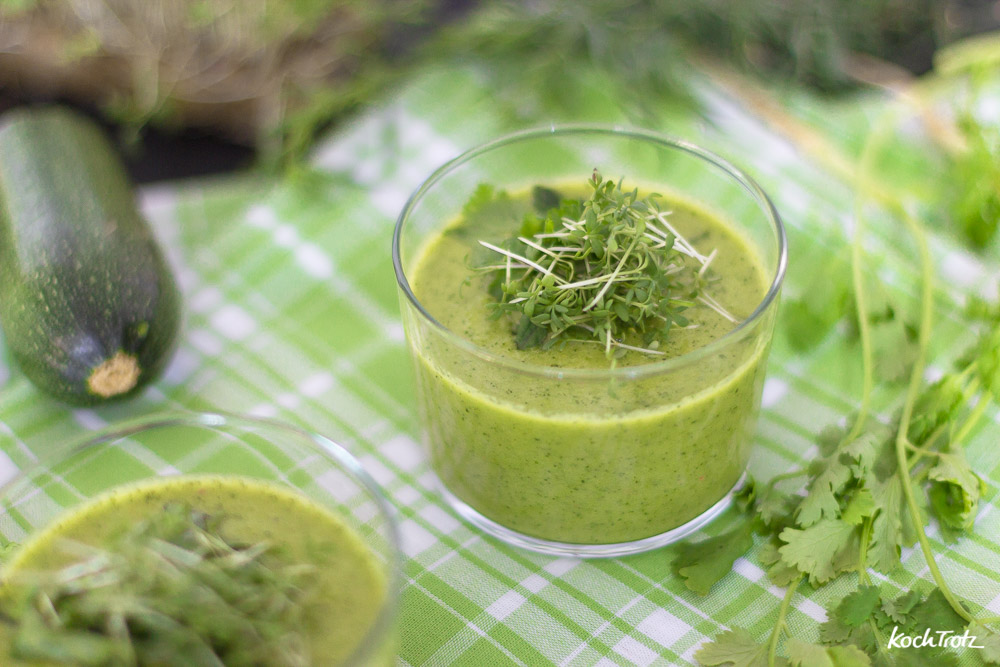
point(210, 85)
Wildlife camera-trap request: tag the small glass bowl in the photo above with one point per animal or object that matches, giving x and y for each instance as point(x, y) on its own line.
point(164, 446)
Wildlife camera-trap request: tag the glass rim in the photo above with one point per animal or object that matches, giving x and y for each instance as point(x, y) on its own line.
point(323, 446)
point(641, 370)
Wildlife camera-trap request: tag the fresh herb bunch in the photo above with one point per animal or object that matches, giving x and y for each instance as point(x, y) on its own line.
point(171, 591)
point(976, 183)
point(973, 191)
point(869, 494)
point(647, 45)
point(597, 271)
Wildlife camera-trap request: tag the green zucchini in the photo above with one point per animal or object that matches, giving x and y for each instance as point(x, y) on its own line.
point(88, 306)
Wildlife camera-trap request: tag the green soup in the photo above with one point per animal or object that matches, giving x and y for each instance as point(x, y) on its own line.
point(549, 442)
point(349, 584)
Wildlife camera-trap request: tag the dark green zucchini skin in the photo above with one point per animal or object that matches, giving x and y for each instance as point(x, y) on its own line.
point(81, 277)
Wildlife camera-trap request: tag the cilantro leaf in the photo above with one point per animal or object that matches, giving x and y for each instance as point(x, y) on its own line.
point(812, 550)
point(936, 613)
point(780, 573)
point(822, 503)
point(924, 657)
point(955, 489)
point(898, 609)
point(802, 654)
point(991, 649)
point(746, 495)
point(702, 564)
point(859, 507)
point(736, 648)
point(887, 528)
point(987, 353)
point(776, 508)
point(936, 406)
point(893, 350)
point(858, 606)
point(825, 298)
point(865, 449)
point(974, 199)
point(835, 631)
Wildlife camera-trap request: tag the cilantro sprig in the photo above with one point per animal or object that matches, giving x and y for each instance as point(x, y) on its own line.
point(600, 270)
point(871, 492)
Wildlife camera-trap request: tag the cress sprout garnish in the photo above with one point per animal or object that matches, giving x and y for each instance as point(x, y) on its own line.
point(169, 591)
point(606, 270)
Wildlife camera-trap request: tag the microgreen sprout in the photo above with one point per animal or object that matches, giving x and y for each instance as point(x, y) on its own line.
point(170, 591)
point(607, 270)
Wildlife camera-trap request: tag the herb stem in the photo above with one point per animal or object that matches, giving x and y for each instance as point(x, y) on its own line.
point(916, 382)
point(865, 580)
point(877, 137)
point(520, 258)
point(779, 626)
point(864, 326)
point(791, 474)
point(925, 449)
point(866, 533)
point(610, 279)
point(970, 422)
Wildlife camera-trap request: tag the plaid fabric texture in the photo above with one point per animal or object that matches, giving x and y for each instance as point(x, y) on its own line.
point(291, 312)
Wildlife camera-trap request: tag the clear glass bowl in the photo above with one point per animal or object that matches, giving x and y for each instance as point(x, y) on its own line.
point(626, 458)
point(164, 446)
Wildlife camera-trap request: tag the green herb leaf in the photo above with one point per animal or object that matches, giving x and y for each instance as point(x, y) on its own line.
point(860, 507)
point(736, 648)
point(802, 654)
point(898, 609)
point(935, 612)
point(893, 349)
point(702, 564)
point(822, 499)
point(955, 491)
point(825, 296)
point(813, 549)
point(858, 606)
point(991, 649)
point(887, 528)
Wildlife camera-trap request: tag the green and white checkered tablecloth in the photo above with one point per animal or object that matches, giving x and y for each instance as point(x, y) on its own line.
point(291, 312)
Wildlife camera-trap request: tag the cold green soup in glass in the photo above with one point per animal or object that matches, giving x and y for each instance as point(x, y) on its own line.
point(596, 446)
point(347, 584)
